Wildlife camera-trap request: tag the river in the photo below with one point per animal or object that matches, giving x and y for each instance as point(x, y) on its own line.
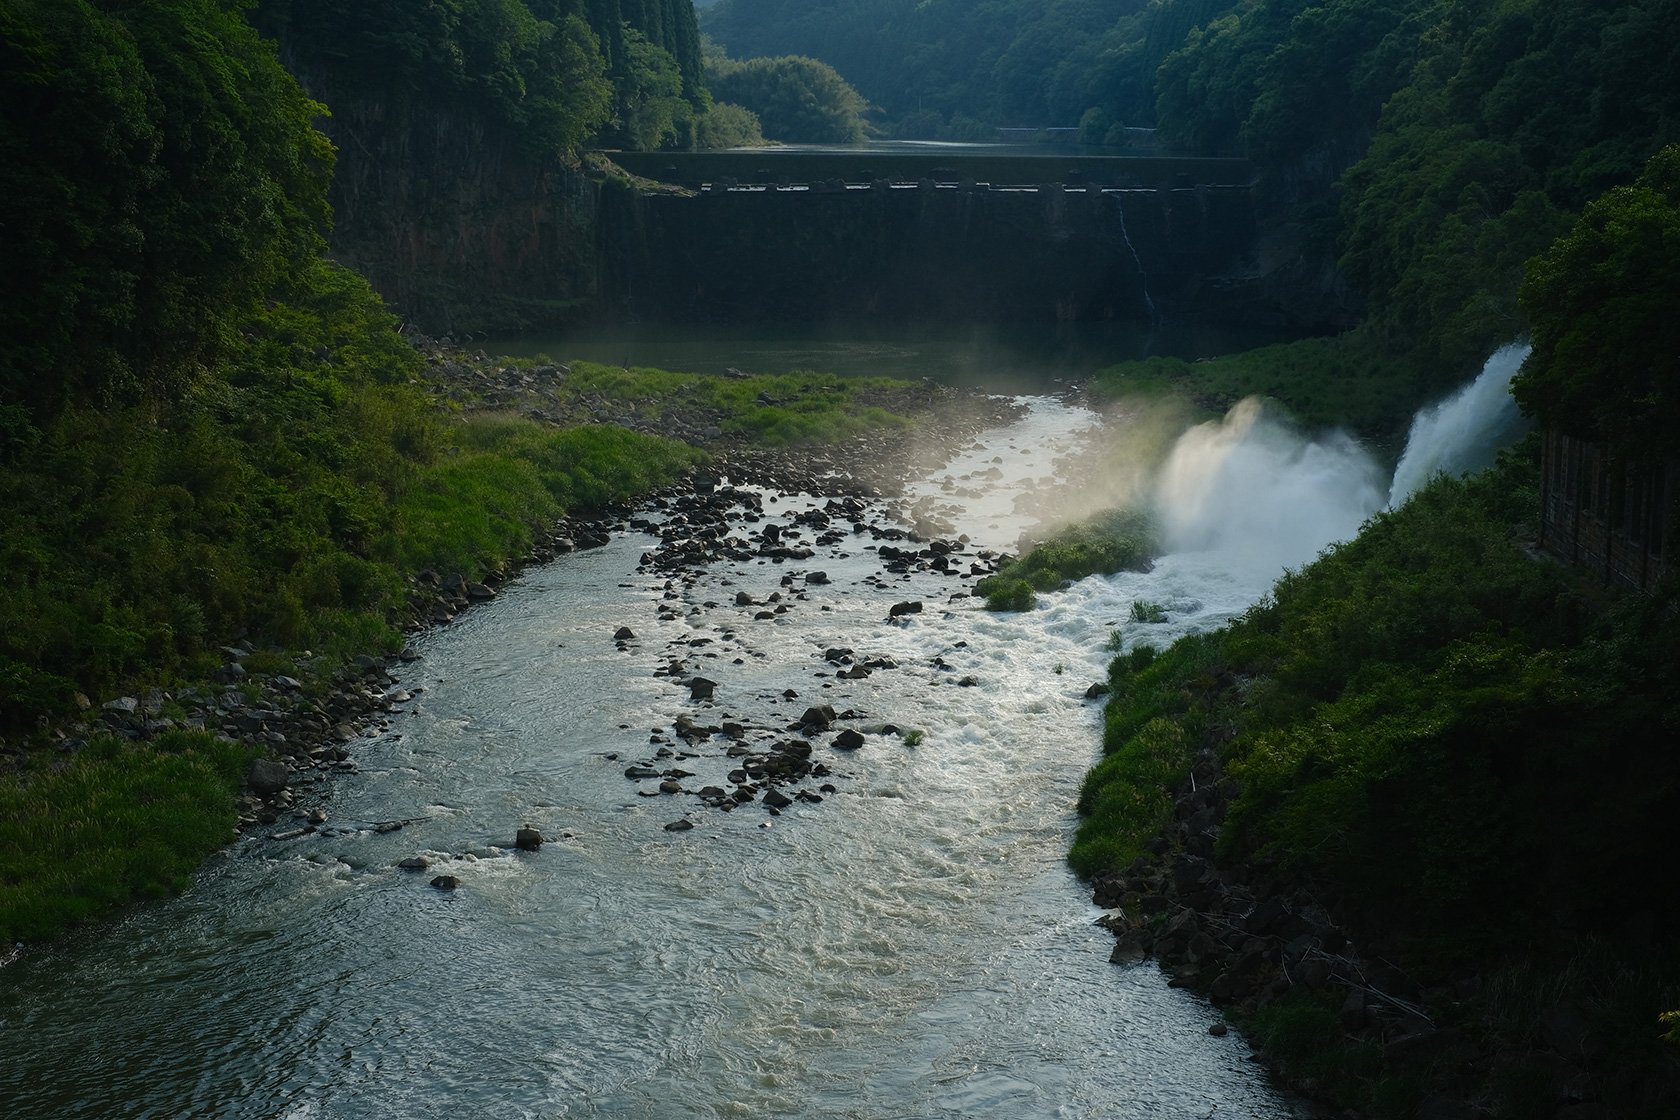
point(913, 945)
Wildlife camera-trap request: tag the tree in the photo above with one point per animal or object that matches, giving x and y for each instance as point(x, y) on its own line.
point(158, 172)
point(1604, 304)
point(797, 100)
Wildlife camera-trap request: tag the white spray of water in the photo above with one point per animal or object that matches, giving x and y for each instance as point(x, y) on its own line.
point(1463, 432)
point(1262, 495)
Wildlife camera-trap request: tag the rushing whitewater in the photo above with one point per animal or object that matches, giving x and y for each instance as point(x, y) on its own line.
point(1260, 495)
point(1463, 432)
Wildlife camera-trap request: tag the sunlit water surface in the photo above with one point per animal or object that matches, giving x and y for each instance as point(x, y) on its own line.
point(913, 946)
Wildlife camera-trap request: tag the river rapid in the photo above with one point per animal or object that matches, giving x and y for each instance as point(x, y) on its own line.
point(911, 945)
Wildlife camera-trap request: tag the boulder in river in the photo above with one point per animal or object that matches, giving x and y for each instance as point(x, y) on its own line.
point(848, 740)
point(776, 799)
point(266, 777)
point(528, 839)
point(1096, 691)
point(623, 634)
point(413, 863)
point(819, 716)
point(699, 688)
point(900, 609)
point(679, 826)
point(446, 882)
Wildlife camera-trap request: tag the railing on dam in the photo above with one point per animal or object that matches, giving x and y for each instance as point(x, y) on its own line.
point(993, 167)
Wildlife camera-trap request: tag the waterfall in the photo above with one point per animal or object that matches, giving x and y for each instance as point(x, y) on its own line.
point(1143, 277)
point(1465, 431)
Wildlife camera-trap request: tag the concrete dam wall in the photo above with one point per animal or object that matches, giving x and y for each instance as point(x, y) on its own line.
point(928, 251)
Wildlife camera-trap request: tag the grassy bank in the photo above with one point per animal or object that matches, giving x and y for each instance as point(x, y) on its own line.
point(286, 499)
point(1467, 758)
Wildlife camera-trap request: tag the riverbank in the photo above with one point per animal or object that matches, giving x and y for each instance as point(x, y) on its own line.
point(1388, 820)
point(252, 715)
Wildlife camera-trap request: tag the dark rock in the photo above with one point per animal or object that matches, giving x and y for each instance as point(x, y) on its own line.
point(266, 777)
point(820, 716)
point(742, 599)
point(899, 609)
point(968, 682)
point(446, 882)
point(623, 634)
point(479, 591)
point(669, 786)
point(763, 616)
point(1439, 1106)
point(1264, 916)
point(816, 577)
point(1126, 951)
point(848, 740)
point(1353, 1011)
point(291, 834)
point(699, 688)
point(1415, 1051)
point(528, 839)
point(413, 863)
point(776, 799)
point(641, 772)
point(679, 826)
point(1218, 1030)
point(1099, 689)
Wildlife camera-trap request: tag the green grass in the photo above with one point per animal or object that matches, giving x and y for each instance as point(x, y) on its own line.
point(1103, 544)
point(803, 407)
point(1149, 733)
point(84, 835)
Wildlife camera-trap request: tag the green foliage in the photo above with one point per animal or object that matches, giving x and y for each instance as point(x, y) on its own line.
point(1606, 359)
point(287, 493)
point(1433, 727)
point(1517, 114)
point(797, 100)
point(772, 410)
point(158, 172)
point(1278, 78)
point(914, 738)
point(84, 835)
point(1303, 1031)
point(952, 70)
point(649, 110)
point(1147, 613)
point(1102, 544)
point(553, 73)
point(1147, 746)
point(728, 126)
point(1007, 595)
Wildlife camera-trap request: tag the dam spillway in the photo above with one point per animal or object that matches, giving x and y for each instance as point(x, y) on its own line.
point(753, 236)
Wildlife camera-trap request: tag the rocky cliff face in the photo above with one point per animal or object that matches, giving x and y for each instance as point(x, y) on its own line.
point(453, 226)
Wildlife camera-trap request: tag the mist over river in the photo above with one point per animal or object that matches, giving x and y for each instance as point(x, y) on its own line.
point(909, 945)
